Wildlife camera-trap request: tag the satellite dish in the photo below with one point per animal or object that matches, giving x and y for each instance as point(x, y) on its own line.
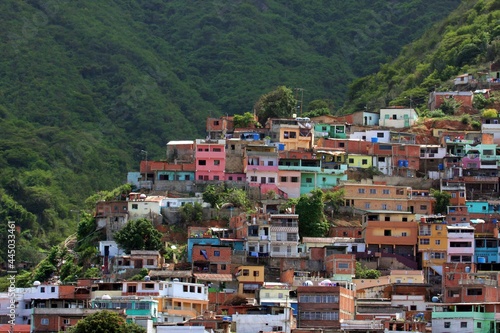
point(106, 296)
point(307, 283)
point(36, 283)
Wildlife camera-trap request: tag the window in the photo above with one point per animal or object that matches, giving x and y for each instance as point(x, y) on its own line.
point(283, 179)
point(246, 272)
point(216, 253)
point(364, 161)
point(253, 179)
point(223, 267)
point(66, 321)
point(351, 160)
point(218, 150)
point(438, 242)
point(424, 241)
point(230, 178)
point(385, 192)
point(150, 262)
point(343, 265)
point(479, 325)
point(387, 232)
point(52, 289)
point(474, 292)
point(380, 134)
point(44, 321)
point(361, 190)
point(384, 206)
point(404, 234)
point(463, 324)
point(439, 227)
point(202, 162)
point(216, 177)
point(447, 324)
point(262, 180)
point(423, 207)
point(277, 328)
point(132, 288)
point(295, 179)
point(367, 205)
point(239, 179)
point(216, 162)
point(373, 191)
point(341, 144)
point(270, 163)
point(399, 207)
point(271, 180)
point(255, 273)
point(309, 180)
point(381, 159)
point(149, 286)
point(42, 289)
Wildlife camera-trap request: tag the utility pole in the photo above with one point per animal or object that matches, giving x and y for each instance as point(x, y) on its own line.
point(145, 152)
point(301, 97)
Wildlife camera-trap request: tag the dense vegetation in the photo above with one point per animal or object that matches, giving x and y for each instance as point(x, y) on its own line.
point(468, 41)
point(87, 86)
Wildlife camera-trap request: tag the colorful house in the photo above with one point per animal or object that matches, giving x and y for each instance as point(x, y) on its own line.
point(250, 279)
point(135, 308)
point(210, 159)
point(432, 243)
point(261, 167)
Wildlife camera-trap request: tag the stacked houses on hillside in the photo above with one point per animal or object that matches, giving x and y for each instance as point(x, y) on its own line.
point(440, 269)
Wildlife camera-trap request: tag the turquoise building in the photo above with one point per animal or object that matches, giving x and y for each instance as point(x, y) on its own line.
point(143, 307)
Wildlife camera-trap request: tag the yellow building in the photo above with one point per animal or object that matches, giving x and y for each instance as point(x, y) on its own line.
point(359, 161)
point(432, 243)
point(250, 279)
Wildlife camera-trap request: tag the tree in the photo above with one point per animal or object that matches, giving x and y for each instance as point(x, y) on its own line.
point(245, 120)
point(312, 220)
point(489, 113)
point(442, 201)
point(139, 235)
point(363, 273)
point(318, 104)
point(191, 213)
point(105, 322)
point(278, 103)
point(335, 199)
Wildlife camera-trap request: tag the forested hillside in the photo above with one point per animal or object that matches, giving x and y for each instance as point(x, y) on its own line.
point(468, 41)
point(85, 86)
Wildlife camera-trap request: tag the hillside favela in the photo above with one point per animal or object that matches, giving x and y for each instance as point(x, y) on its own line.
point(250, 166)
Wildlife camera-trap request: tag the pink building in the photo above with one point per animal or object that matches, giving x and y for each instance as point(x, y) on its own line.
point(261, 167)
point(210, 158)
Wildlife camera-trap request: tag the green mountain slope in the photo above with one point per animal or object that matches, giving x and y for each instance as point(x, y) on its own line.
point(468, 41)
point(86, 85)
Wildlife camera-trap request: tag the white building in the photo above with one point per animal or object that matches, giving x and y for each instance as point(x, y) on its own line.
point(284, 235)
point(397, 118)
point(277, 319)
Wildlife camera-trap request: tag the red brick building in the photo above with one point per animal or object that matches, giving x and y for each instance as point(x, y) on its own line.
point(324, 306)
